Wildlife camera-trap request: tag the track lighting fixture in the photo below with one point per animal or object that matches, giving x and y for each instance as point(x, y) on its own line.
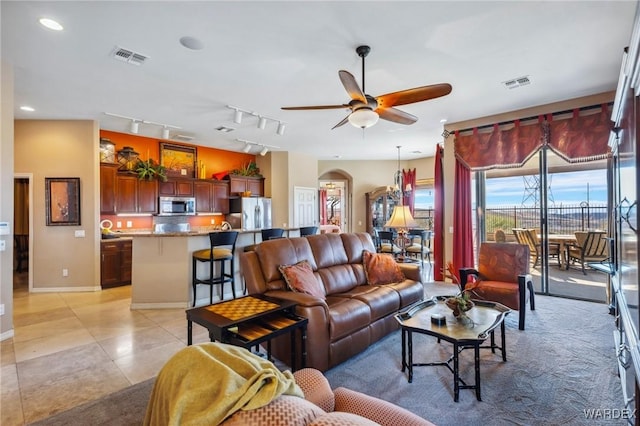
point(134, 127)
point(249, 144)
point(262, 120)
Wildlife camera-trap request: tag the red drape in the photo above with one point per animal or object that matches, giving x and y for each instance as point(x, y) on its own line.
point(323, 206)
point(438, 213)
point(582, 137)
point(462, 221)
point(409, 178)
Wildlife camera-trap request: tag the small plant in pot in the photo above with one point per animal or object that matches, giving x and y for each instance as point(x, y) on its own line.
point(461, 302)
point(248, 169)
point(149, 170)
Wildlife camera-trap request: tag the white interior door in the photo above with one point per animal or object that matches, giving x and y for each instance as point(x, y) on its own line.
point(305, 209)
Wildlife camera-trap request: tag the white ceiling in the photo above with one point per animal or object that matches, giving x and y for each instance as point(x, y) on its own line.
point(263, 55)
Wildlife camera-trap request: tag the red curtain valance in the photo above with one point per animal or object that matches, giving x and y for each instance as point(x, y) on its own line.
point(579, 138)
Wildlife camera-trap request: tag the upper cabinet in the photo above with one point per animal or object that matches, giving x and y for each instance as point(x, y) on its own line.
point(125, 193)
point(211, 196)
point(239, 184)
point(176, 188)
point(108, 174)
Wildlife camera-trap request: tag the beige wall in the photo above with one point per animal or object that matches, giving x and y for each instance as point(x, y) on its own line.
point(61, 148)
point(6, 198)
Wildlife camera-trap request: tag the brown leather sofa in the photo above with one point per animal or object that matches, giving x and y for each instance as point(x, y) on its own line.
point(352, 315)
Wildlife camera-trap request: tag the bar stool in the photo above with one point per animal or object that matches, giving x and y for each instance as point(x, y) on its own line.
point(272, 234)
point(223, 245)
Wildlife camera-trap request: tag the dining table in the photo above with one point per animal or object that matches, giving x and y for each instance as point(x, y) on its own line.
point(562, 240)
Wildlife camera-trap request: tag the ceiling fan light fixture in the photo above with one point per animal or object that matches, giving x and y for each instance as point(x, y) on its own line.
point(363, 118)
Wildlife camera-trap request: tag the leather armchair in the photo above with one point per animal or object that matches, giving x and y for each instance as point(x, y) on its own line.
point(503, 277)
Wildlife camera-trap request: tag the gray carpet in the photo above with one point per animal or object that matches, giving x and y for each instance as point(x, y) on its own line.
point(560, 366)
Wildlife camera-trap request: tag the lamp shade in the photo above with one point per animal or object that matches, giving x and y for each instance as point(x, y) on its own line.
point(363, 118)
point(401, 218)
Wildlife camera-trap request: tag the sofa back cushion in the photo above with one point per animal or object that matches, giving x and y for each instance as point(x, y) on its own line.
point(333, 263)
point(283, 251)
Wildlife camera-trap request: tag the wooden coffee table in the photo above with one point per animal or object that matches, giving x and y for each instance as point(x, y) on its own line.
point(486, 317)
point(249, 321)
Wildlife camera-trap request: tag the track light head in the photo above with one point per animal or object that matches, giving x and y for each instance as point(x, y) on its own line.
point(237, 117)
point(262, 123)
point(264, 151)
point(246, 148)
point(165, 133)
point(281, 127)
point(135, 126)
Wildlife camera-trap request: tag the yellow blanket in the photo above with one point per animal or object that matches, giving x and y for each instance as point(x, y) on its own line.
point(204, 384)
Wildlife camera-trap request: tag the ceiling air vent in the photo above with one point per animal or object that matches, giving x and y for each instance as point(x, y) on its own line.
point(517, 82)
point(185, 138)
point(225, 129)
point(129, 56)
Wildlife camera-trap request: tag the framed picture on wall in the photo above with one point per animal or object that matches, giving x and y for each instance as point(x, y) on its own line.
point(179, 160)
point(62, 198)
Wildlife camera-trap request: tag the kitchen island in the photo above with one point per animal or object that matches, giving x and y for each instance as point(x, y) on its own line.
point(161, 267)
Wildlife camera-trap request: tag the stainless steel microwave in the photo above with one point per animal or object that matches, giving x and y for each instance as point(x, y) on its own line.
point(177, 206)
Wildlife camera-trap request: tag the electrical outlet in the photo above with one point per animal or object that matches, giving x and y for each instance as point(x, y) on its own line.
point(118, 224)
point(65, 272)
point(213, 221)
point(79, 233)
point(129, 224)
point(3, 245)
point(1, 308)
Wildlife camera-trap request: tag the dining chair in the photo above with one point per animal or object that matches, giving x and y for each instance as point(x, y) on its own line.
point(420, 246)
point(386, 244)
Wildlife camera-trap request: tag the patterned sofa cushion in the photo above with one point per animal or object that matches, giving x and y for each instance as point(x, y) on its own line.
point(284, 411)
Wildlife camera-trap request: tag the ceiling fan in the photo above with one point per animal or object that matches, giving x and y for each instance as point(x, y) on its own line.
point(365, 109)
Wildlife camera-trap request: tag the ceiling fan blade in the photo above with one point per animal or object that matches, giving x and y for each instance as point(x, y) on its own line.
point(417, 94)
point(343, 122)
point(397, 116)
point(351, 86)
point(316, 107)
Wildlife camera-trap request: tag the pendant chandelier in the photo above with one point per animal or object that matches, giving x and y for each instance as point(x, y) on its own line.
point(399, 190)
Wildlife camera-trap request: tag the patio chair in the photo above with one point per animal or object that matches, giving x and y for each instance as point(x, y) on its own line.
point(591, 246)
point(503, 277)
point(529, 237)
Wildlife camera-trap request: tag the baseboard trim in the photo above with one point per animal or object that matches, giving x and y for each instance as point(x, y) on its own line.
point(64, 289)
point(6, 335)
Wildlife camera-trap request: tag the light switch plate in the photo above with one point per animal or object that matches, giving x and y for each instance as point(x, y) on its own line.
point(79, 233)
point(3, 245)
point(4, 228)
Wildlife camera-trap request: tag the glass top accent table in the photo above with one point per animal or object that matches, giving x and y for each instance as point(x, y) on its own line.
point(426, 318)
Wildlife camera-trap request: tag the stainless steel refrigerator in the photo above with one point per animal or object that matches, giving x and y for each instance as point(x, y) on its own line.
point(250, 213)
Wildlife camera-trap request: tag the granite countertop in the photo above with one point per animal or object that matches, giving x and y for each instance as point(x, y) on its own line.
point(192, 233)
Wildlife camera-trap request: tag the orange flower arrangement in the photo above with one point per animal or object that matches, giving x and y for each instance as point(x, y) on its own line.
point(463, 298)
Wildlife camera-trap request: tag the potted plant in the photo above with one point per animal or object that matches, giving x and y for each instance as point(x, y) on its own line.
point(461, 302)
point(248, 169)
point(149, 170)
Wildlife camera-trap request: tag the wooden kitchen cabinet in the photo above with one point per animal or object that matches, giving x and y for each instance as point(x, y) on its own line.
point(115, 263)
point(136, 196)
point(211, 196)
point(108, 174)
point(176, 188)
point(239, 184)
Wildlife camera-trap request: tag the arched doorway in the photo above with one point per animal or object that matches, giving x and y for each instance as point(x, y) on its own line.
point(335, 200)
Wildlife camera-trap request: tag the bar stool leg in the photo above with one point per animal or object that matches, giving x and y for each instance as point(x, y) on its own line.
point(211, 281)
point(233, 280)
point(193, 280)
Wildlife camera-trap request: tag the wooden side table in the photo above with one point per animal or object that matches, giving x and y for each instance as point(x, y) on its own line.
point(249, 321)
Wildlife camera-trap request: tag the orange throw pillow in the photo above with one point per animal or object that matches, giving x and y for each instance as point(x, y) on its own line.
point(300, 278)
point(381, 268)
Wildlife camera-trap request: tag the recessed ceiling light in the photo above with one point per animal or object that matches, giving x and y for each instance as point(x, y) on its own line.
point(191, 43)
point(27, 108)
point(51, 24)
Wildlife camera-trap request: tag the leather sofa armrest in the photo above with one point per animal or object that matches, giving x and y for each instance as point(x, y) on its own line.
point(411, 272)
point(375, 409)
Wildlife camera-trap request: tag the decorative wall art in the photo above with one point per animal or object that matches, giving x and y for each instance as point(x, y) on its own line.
point(62, 198)
point(179, 160)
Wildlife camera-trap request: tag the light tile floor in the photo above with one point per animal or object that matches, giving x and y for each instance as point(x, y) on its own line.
point(70, 348)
